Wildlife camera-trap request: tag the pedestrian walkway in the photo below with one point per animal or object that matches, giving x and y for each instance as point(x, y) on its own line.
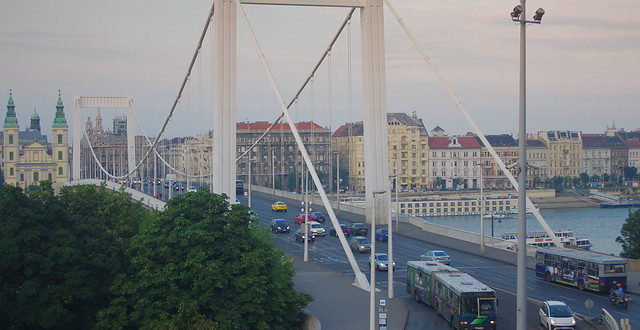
point(338, 303)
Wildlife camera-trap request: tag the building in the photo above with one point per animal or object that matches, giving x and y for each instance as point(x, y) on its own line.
point(564, 153)
point(109, 147)
point(537, 160)
point(278, 156)
point(408, 151)
point(27, 157)
point(453, 162)
point(598, 152)
point(507, 149)
point(634, 152)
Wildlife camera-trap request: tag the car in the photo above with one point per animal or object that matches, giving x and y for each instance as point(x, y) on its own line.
point(556, 315)
point(300, 236)
point(300, 218)
point(437, 256)
point(359, 229)
point(360, 244)
point(345, 230)
point(280, 226)
point(316, 228)
point(382, 234)
point(279, 206)
point(192, 189)
point(381, 261)
point(317, 216)
point(253, 216)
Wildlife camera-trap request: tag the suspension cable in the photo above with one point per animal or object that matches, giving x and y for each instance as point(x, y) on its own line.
point(304, 84)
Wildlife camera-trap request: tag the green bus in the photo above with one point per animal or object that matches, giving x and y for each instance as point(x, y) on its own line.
point(461, 299)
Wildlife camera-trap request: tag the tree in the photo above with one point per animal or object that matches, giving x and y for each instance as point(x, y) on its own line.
point(595, 178)
point(457, 182)
point(292, 179)
point(440, 182)
point(557, 182)
point(201, 265)
point(606, 177)
point(584, 178)
point(630, 172)
point(630, 236)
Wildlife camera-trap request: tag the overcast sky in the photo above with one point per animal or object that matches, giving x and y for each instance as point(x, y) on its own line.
point(583, 62)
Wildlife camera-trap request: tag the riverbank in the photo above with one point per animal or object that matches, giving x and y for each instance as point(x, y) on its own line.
point(562, 202)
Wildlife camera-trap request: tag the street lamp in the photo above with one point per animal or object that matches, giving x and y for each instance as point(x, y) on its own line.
point(372, 262)
point(518, 15)
point(337, 180)
point(390, 239)
point(481, 205)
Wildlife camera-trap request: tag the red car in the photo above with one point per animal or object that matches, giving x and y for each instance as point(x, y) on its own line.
point(300, 218)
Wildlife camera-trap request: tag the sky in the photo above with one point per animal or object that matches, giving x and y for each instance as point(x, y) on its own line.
point(583, 62)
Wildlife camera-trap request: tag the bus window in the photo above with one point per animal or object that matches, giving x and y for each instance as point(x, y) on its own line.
point(609, 269)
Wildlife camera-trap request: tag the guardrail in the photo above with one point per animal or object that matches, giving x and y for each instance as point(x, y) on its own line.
point(608, 321)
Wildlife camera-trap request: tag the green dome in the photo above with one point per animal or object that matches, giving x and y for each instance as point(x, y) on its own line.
point(35, 115)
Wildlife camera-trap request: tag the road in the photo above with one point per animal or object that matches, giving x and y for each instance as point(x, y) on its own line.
point(500, 276)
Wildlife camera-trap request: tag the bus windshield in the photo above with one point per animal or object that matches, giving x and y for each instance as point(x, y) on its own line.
point(471, 302)
point(620, 268)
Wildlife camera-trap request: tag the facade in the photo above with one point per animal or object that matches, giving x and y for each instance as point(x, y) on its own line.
point(537, 160)
point(634, 153)
point(453, 161)
point(507, 149)
point(598, 154)
point(277, 155)
point(27, 157)
point(110, 148)
point(564, 152)
point(408, 151)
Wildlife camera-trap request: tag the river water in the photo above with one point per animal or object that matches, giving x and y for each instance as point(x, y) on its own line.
point(600, 226)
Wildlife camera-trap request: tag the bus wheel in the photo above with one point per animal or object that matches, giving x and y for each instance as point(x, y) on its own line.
point(548, 277)
point(581, 285)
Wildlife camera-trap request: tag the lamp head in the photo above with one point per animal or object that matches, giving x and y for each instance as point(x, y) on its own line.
point(538, 15)
point(515, 13)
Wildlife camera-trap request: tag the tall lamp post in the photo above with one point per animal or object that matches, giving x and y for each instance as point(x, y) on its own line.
point(481, 206)
point(390, 239)
point(372, 263)
point(337, 181)
point(518, 15)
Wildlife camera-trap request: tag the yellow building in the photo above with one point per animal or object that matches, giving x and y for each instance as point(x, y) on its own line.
point(27, 157)
point(408, 151)
point(564, 153)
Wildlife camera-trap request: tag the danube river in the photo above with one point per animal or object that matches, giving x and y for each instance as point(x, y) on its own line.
point(600, 226)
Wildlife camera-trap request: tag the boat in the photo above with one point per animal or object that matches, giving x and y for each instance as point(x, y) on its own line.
point(542, 239)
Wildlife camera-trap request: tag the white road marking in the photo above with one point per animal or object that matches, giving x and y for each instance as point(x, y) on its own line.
point(567, 298)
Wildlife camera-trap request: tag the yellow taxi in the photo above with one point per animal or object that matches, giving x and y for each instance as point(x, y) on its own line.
point(279, 206)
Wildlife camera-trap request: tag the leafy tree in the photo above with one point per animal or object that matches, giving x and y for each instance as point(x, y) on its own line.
point(440, 182)
point(292, 179)
point(630, 172)
point(595, 178)
point(1, 180)
point(576, 181)
point(584, 178)
point(630, 236)
point(201, 265)
point(344, 176)
point(457, 182)
point(613, 177)
point(606, 177)
point(557, 182)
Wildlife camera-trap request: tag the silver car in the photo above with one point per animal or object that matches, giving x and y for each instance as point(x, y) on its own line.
point(437, 256)
point(316, 228)
point(556, 315)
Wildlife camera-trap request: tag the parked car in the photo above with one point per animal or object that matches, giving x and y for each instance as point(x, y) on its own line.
point(359, 229)
point(300, 236)
point(382, 234)
point(279, 206)
point(192, 189)
point(556, 315)
point(253, 216)
point(279, 226)
point(318, 216)
point(437, 256)
point(345, 230)
point(360, 244)
point(316, 228)
point(382, 261)
point(300, 218)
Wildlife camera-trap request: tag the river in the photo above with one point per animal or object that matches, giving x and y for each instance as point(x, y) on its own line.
point(600, 226)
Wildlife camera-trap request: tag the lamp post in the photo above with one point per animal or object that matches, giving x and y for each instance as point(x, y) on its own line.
point(390, 239)
point(372, 263)
point(518, 15)
point(395, 187)
point(250, 166)
point(273, 173)
point(481, 206)
point(337, 181)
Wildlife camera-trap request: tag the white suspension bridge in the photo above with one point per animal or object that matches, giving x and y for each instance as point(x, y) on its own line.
point(221, 174)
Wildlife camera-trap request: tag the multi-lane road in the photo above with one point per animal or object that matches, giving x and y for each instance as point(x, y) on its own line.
point(498, 275)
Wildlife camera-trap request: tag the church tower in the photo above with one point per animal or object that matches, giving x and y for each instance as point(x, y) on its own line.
point(11, 143)
point(60, 143)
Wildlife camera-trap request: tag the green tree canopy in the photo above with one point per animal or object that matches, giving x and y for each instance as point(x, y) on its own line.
point(203, 264)
point(630, 236)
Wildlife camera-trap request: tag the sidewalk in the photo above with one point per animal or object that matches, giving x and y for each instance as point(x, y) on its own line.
point(338, 303)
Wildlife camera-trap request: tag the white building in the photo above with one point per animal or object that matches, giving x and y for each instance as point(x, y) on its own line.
point(451, 161)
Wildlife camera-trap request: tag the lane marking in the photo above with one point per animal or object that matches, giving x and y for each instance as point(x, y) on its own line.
point(565, 297)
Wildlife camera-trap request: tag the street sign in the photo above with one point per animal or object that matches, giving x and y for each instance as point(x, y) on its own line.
point(382, 302)
point(589, 305)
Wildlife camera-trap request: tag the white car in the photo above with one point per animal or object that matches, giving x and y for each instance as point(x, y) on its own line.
point(316, 228)
point(556, 315)
point(192, 189)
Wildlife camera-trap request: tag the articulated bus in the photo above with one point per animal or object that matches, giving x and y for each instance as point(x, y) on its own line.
point(584, 269)
point(239, 187)
point(461, 299)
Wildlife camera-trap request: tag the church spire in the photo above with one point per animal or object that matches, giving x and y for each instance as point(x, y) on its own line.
point(60, 120)
point(99, 122)
point(35, 121)
point(10, 119)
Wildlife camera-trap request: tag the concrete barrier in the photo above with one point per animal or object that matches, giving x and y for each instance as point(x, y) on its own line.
point(608, 321)
point(310, 321)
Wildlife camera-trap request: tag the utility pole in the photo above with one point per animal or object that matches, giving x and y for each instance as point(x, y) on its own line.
point(306, 216)
point(338, 181)
point(250, 166)
point(273, 173)
point(482, 206)
point(372, 264)
point(518, 15)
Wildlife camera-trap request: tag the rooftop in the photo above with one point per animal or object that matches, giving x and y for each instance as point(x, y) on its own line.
point(357, 129)
point(500, 140)
point(583, 255)
point(462, 282)
point(263, 126)
point(593, 141)
point(446, 142)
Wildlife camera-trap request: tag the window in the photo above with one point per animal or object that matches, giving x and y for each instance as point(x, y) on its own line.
point(59, 170)
point(10, 155)
point(10, 170)
point(60, 138)
point(10, 138)
point(59, 155)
